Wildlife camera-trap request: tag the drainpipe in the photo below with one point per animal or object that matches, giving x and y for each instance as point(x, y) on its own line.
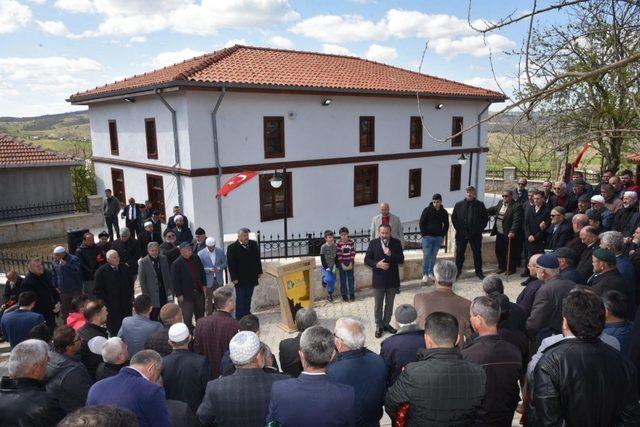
point(176, 146)
point(216, 153)
point(479, 146)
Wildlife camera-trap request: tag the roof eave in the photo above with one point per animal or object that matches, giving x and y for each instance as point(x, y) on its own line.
point(149, 89)
point(40, 165)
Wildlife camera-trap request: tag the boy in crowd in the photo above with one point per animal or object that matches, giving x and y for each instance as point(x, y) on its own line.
point(329, 258)
point(346, 252)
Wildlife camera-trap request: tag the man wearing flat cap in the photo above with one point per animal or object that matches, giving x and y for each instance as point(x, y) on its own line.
point(214, 262)
point(199, 241)
point(401, 349)
point(188, 280)
point(242, 398)
point(546, 312)
point(567, 270)
point(606, 276)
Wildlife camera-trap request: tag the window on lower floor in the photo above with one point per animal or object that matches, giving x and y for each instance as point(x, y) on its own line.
point(415, 182)
point(456, 174)
point(272, 203)
point(365, 185)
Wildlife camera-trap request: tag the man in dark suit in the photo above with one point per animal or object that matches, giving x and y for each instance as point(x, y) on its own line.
point(114, 286)
point(590, 239)
point(567, 270)
point(520, 194)
point(182, 231)
point(185, 374)
point(333, 404)
point(40, 282)
point(148, 235)
point(188, 281)
point(507, 228)
point(242, 398)
point(289, 347)
point(384, 254)
point(171, 222)
point(578, 222)
point(129, 251)
point(535, 216)
point(132, 217)
point(560, 231)
point(469, 218)
point(606, 276)
point(135, 388)
point(245, 268)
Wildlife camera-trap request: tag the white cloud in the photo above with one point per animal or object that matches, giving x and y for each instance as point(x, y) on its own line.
point(54, 28)
point(233, 42)
point(75, 6)
point(168, 58)
point(138, 39)
point(472, 45)
point(281, 42)
point(38, 1)
point(506, 83)
point(48, 73)
point(411, 23)
point(340, 29)
point(334, 49)
point(13, 16)
point(376, 52)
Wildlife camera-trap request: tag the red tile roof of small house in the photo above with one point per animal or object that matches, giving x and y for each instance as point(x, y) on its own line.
point(15, 153)
point(267, 68)
point(634, 158)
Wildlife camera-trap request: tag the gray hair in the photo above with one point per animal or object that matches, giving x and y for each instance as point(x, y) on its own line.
point(124, 231)
point(110, 253)
point(351, 331)
point(243, 230)
point(561, 184)
point(509, 191)
point(112, 349)
point(26, 355)
point(318, 346)
point(222, 295)
point(613, 238)
point(580, 219)
point(487, 308)
point(152, 245)
point(306, 318)
point(445, 272)
point(146, 357)
point(631, 194)
point(492, 285)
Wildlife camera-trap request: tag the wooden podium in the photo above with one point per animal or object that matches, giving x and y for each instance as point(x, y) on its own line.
point(295, 289)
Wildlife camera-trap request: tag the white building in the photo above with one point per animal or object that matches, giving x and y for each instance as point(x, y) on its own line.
point(348, 131)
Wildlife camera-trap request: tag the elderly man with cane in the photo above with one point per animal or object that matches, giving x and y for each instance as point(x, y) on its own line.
point(507, 228)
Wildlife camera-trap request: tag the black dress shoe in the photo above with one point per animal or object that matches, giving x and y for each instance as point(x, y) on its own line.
point(480, 276)
point(378, 333)
point(390, 329)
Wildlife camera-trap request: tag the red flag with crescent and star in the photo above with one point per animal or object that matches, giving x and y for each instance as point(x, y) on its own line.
point(235, 182)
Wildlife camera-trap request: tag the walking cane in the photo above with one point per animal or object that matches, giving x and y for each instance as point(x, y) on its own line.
point(508, 259)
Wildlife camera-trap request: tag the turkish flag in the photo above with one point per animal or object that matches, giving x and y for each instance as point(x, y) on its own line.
point(235, 182)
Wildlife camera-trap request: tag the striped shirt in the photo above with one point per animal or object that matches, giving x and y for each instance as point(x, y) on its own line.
point(346, 251)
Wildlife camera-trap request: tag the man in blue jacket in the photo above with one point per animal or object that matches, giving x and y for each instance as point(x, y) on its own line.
point(135, 388)
point(214, 262)
point(318, 400)
point(17, 323)
point(67, 278)
point(360, 368)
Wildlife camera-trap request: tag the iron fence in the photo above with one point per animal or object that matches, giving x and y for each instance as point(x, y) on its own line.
point(13, 213)
point(495, 173)
point(17, 261)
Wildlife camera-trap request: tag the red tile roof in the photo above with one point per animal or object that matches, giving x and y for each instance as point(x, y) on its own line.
point(14, 153)
point(634, 158)
point(256, 67)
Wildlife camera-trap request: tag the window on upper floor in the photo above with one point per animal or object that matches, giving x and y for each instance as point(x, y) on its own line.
point(456, 126)
point(367, 133)
point(415, 182)
point(273, 137)
point(365, 185)
point(415, 132)
point(152, 140)
point(113, 137)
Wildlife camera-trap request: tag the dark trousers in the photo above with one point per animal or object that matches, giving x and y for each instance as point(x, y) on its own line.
point(112, 222)
point(65, 303)
point(243, 301)
point(134, 228)
point(383, 296)
point(502, 250)
point(155, 314)
point(190, 307)
point(531, 249)
point(475, 242)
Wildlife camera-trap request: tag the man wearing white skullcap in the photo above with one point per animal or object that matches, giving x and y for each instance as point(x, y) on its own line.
point(598, 205)
point(147, 235)
point(185, 374)
point(241, 398)
point(214, 262)
point(67, 278)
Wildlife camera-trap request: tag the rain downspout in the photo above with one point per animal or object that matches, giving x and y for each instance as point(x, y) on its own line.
point(216, 153)
point(176, 146)
point(478, 146)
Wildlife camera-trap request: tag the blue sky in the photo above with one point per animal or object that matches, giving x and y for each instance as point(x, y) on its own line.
point(50, 49)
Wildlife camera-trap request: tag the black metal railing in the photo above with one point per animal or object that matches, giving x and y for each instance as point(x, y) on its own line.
point(14, 213)
point(17, 261)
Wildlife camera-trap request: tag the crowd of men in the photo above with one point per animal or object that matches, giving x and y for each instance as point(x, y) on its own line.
point(87, 351)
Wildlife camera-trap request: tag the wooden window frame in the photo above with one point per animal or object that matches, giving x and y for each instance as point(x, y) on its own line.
point(163, 214)
point(113, 138)
point(278, 154)
point(123, 202)
point(357, 172)
point(455, 178)
point(415, 132)
point(264, 182)
point(415, 174)
point(457, 124)
point(152, 140)
point(371, 137)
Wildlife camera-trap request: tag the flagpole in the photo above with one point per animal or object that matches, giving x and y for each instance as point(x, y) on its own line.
point(286, 211)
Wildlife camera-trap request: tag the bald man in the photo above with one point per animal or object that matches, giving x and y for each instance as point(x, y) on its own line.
point(386, 217)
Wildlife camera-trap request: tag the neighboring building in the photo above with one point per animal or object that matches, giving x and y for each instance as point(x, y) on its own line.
point(35, 181)
point(347, 130)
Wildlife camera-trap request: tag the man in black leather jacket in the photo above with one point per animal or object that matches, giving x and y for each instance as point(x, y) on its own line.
point(582, 381)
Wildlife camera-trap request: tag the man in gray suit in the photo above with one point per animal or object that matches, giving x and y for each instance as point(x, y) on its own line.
point(155, 278)
point(386, 217)
point(214, 262)
point(136, 329)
